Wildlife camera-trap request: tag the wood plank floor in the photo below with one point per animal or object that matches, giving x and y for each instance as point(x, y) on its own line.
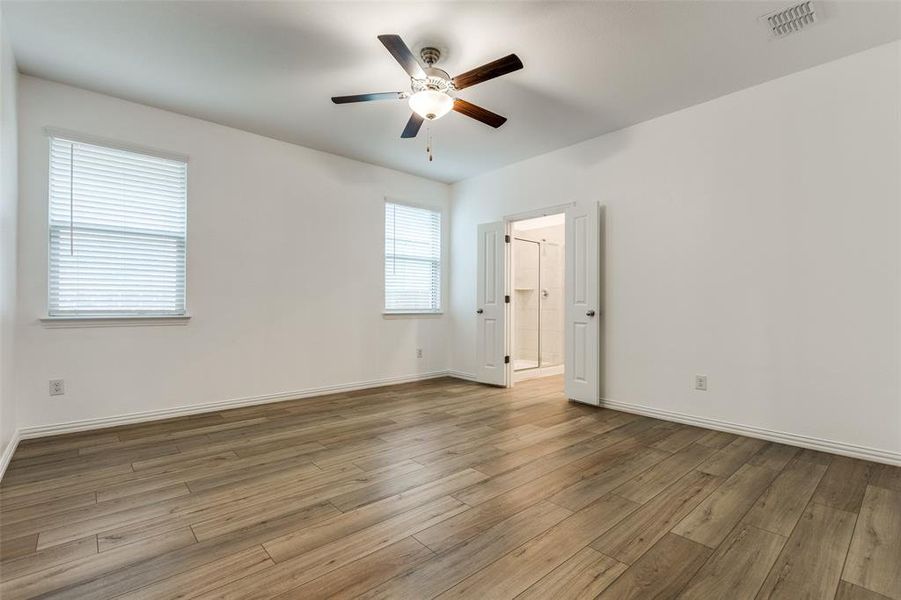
point(442, 489)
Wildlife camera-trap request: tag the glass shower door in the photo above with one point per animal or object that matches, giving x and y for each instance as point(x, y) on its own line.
point(526, 304)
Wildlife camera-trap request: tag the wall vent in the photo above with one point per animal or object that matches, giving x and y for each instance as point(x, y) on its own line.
point(792, 19)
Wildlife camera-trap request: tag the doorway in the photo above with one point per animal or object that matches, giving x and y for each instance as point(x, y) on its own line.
point(537, 268)
point(495, 316)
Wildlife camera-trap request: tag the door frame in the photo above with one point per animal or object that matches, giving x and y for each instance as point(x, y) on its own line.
point(509, 220)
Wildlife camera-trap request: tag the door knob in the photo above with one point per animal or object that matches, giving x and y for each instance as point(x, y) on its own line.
point(589, 313)
point(480, 311)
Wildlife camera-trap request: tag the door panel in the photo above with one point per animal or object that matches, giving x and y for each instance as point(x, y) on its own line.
point(582, 291)
point(489, 277)
point(580, 231)
point(579, 350)
point(491, 309)
point(490, 343)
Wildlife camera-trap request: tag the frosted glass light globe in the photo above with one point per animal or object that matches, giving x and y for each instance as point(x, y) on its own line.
point(431, 104)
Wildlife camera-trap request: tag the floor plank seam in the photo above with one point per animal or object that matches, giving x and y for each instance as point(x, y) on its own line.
point(841, 576)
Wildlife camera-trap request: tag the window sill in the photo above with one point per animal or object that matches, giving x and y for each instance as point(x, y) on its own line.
point(411, 314)
point(112, 321)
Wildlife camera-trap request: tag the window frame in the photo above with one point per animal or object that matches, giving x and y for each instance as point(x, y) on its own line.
point(442, 265)
point(111, 319)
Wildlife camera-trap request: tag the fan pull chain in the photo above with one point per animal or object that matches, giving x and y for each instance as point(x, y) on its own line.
point(428, 143)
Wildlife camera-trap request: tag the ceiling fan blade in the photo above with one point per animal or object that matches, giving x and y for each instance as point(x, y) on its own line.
point(368, 97)
point(412, 127)
point(402, 54)
point(478, 113)
point(496, 68)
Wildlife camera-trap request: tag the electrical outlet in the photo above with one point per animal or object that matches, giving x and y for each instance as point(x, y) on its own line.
point(701, 383)
point(419, 353)
point(57, 387)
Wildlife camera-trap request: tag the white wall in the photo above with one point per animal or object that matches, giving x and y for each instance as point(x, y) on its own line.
point(285, 272)
point(8, 203)
point(753, 238)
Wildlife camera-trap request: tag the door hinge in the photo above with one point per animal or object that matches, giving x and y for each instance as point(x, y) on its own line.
point(506, 239)
point(507, 299)
point(506, 360)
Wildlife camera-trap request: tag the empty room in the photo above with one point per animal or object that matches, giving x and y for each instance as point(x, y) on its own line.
point(483, 300)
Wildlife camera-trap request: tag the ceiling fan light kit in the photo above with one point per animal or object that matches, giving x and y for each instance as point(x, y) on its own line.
point(432, 90)
point(431, 97)
point(431, 104)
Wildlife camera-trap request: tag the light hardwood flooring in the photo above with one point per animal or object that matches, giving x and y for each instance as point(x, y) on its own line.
point(442, 489)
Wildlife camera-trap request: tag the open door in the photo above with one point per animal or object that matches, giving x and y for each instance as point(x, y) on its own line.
point(491, 334)
point(582, 319)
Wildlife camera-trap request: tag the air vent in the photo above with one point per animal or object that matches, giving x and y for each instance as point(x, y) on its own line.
point(793, 19)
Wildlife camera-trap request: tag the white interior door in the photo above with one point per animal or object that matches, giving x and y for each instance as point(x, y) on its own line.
point(582, 318)
point(490, 305)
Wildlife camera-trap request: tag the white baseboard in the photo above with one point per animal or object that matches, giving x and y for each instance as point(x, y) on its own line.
point(8, 452)
point(462, 375)
point(771, 435)
point(167, 413)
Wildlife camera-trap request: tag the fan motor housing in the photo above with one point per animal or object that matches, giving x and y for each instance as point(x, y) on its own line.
point(436, 79)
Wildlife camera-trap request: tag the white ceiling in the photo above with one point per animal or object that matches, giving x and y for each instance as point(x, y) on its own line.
point(271, 67)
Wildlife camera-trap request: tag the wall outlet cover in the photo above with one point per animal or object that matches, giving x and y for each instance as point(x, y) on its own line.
point(57, 387)
point(701, 383)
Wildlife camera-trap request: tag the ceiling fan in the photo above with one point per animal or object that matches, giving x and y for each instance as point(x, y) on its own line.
point(431, 89)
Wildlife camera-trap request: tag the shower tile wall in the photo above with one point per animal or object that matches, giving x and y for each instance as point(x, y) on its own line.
point(529, 298)
point(552, 304)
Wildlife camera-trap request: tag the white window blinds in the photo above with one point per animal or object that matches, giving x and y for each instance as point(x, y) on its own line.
point(117, 232)
point(412, 259)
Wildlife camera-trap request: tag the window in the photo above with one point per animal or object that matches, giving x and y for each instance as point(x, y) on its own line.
point(117, 232)
point(412, 259)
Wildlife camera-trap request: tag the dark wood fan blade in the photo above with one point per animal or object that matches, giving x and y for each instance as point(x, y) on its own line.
point(478, 113)
point(412, 127)
point(367, 97)
point(496, 68)
point(402, 54)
